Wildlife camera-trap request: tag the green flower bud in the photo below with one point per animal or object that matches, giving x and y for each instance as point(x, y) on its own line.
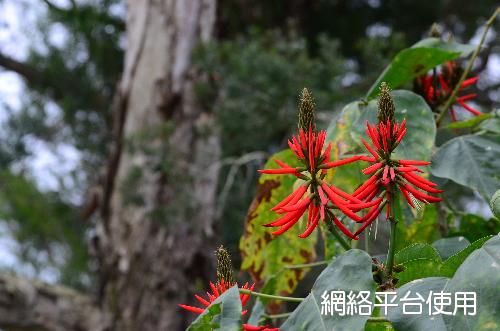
point(306, 111)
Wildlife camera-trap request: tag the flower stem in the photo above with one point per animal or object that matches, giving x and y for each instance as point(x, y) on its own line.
point(392, 242)
point(275, 316)
point(473, 57)
point(270, 296)
point(333, 229)
point(305, 265)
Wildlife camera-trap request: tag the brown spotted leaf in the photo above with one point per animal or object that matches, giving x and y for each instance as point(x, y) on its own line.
point(264, 256)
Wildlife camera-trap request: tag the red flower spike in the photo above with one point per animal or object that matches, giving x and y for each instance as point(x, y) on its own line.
point(310, 144)
point(217, 290)
point(437, 89)
point(388, 173)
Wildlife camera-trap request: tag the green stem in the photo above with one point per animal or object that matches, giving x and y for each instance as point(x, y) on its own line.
point(272, 297)
point(306, 265)
point(333, 229)
point(392, 242)
point(275, 316)
point(473, 57)
point(390, 253)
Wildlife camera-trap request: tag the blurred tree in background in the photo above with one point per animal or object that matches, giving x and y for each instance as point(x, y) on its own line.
point(263, 53)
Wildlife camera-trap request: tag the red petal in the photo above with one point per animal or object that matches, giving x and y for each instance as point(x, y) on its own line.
point(344, 229)
point(341, 162)
point(413, 162)
point(372, 168)
point(469, 108)
point(192, 309)
point(281, 171)
point(289, 199)
point(372, 152)
point(407, 197)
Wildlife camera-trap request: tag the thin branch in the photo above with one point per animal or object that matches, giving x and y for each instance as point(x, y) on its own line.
point(306, 265)
point(473, 57)
point(236, 163)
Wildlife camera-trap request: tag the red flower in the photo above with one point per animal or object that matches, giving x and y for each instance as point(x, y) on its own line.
point(315, 195)
point(216, 291)
point(389, 174)
point(437, 88)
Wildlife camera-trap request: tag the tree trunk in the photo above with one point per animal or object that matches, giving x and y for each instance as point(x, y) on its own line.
point(159, 198)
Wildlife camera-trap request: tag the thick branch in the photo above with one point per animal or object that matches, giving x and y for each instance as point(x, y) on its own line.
point(27, 305)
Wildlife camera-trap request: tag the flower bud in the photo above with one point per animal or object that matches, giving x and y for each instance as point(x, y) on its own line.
point(306, 111)
point(386, 106)
point(224, 266)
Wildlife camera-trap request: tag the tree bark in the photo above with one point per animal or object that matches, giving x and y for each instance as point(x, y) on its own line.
point(159, 200)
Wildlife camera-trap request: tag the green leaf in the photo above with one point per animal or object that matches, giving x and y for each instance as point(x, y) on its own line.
point(418, 322)
point(419, 261)
point(495, 204)
point(470, 123)
point(453, 262)
point(263, 255)
point(417, 60)
point(472, 161)
point(479, 273)
point(351, 271)
point(417, 251)
point(447, 247)
point(223, 314)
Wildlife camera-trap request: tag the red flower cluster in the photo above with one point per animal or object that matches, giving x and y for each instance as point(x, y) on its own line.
point(389, 174)
point(217, 290)
point(315, 195)
point(437, 88)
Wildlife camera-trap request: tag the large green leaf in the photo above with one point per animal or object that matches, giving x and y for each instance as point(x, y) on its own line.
point(418, 322)
point(480, 273)
point(223, 314)
point(472, 161)
point(351, 271)
point(417, 60)
point(263, 255)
